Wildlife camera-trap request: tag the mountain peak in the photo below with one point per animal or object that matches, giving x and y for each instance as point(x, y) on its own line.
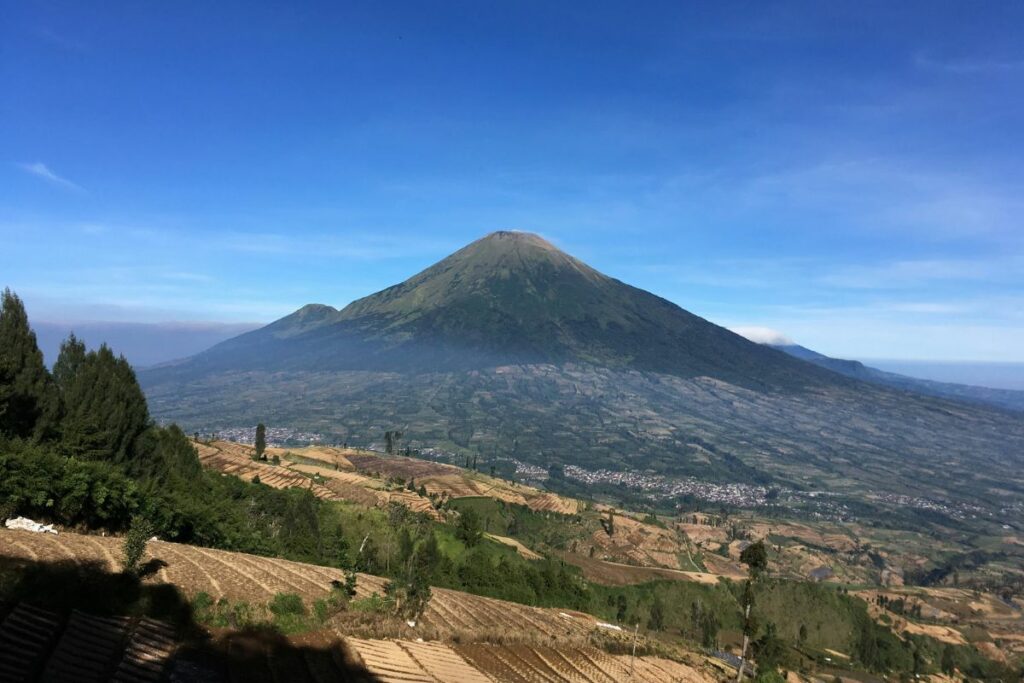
point(514, 238)
point(514, 298)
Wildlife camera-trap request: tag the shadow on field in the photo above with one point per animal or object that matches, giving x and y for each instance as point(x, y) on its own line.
point(251, 654)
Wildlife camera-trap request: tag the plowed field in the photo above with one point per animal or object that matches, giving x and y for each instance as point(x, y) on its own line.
point(140, 649)
point(251, 578)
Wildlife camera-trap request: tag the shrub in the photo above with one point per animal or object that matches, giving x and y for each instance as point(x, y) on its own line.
point(287, 604)
point(134, 545)
point(375, 604)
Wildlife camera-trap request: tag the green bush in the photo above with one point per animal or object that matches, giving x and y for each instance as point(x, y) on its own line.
point(287, 604)
point(134, 544)
point(376, 604)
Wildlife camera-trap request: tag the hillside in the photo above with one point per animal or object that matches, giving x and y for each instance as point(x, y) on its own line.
point(468, 638)
point(514, 350)
point(1002, 398)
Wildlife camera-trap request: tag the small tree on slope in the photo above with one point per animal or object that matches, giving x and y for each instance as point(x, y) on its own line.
point(134, 545)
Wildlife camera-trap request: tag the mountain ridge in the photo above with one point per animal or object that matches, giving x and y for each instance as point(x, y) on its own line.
point(1002, 398)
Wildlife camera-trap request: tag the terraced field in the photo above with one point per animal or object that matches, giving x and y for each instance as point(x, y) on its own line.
point(553, 644)
point(334, 484)
point(234, 460)
point(439, 478)
point(949, 613)
point(637, 543)
point(402, 661)
point(525, 663)
point(37, 643)
point(250, 578)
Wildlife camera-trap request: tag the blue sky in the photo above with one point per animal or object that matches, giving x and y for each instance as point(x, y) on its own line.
point(849, 174)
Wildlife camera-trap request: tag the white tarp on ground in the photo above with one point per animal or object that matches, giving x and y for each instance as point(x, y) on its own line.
point(29, 525)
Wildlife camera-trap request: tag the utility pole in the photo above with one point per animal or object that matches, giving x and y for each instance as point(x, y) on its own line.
point(636, 629)
point(746, 638)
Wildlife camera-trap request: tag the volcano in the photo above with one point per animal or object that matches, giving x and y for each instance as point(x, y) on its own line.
point(512, 349)
point(510, 298)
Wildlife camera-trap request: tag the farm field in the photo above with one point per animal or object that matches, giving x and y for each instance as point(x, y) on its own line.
point(537, 644)
point(618, 574)
point(250, 578)
point(640, 550)
point(637, 543)
point(234, 459)
point(324, 482)
point(368, 478)
point(953, 615)
point(36, 642)
point(438, 478)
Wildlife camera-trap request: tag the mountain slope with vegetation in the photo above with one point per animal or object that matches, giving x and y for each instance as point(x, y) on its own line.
point(507, 299)
point(77, 448)
point(512, 349)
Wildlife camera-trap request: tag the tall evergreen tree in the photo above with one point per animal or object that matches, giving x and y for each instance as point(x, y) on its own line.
point(104, 405)
point(29, 403)
point(71, 358)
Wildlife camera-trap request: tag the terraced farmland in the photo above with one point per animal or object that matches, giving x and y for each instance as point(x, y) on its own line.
point(637, 543)
point(236, 462)
point(439, 478)
point(332, 484)
point(250, 578)
point(552, 643)
point(39, 643)
point(414, 662)
point(526, 664)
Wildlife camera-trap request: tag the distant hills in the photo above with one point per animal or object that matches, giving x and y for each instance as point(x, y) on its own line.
point(510, 348)
point(1003, 398)
point(142, 344)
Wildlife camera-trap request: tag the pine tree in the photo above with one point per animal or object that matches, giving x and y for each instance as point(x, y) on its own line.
point(29, 402)
point(105, 409)
point(69, 361)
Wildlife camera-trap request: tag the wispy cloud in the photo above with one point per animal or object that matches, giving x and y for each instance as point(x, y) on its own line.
point(911, 273)
point(969, 65)
point(881, 194)
point(41, 170)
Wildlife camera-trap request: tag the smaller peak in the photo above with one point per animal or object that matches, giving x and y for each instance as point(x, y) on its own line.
point(315, 308)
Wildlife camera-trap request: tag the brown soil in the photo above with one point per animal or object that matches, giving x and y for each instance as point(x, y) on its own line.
point(636, 543)
point(519, 547)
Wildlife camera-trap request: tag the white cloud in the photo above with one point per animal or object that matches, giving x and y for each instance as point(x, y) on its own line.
point(41, 170)
point(762, 335)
